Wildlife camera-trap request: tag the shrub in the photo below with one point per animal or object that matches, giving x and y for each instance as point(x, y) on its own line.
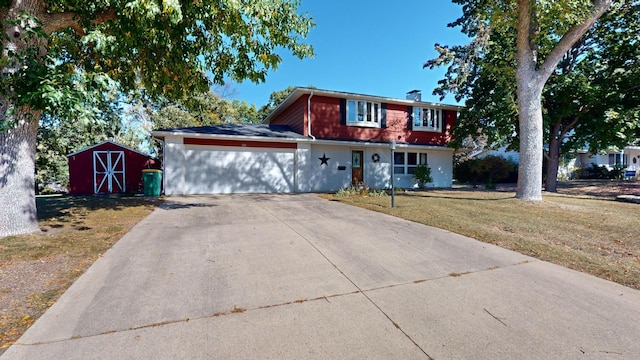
point(489, 170)
point(423, 175)
point(600, 172)
point(353, 190)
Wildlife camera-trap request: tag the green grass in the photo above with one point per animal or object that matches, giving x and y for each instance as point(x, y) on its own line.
point(599, 237)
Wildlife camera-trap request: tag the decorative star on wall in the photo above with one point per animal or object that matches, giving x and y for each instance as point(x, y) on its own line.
point(324, 160)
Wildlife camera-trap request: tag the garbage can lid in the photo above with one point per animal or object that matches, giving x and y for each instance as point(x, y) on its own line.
point(151, 170)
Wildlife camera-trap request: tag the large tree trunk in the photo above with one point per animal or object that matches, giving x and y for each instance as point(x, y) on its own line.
point(531, 140)
point(529, 88)
point(18, 213)
point(17, 170)
point(553, 161)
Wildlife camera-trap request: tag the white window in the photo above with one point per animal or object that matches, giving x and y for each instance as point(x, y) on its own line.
point(427, 119)
point(406, 162)
point(619, 159)
point(363, 113)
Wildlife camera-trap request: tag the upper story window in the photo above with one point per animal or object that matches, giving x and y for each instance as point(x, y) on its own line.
point(428, 119)
point(363, 113)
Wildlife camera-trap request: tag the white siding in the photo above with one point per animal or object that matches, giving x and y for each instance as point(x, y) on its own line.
point(173, 165)
point(199, 169)
point(441, 163)
point(377, 175)
point(327, 178)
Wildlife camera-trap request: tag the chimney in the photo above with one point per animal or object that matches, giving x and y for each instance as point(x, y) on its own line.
point(414, 95)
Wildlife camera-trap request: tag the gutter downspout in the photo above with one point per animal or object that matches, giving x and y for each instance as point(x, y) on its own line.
point(309, 116)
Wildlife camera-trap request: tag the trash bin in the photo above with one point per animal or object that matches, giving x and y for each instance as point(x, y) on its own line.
point(152, 180)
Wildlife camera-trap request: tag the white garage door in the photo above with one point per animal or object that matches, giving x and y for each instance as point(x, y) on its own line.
point(224, 170)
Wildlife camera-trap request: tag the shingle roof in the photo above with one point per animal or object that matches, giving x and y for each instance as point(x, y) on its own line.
point(250, 130)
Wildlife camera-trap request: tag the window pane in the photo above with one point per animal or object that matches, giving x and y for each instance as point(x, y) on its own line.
point(612, 159)
point(417, 121)
point(411, 170)
point(423, 159)
point(436, 119)
point(398, 169)
point(412, 158)
point(376, 110)
point(351, 110)
point(360, 111)
point(398, 158)
point(426, 117)
point(368, 111)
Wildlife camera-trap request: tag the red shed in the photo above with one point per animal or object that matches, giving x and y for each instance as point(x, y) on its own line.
point(108, 168)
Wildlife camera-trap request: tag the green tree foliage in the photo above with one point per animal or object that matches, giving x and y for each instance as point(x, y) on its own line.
point(275, 99)
point(589, 99)
point(515, 48)
point(203, 109)
point(62, 55)
point(57, 139)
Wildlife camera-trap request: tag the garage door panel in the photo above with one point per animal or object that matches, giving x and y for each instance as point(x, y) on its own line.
point(238, 171)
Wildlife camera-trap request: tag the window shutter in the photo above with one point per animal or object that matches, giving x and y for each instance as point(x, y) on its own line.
point(383, 111)
point(410, 117)
point(343, 112)
point(443, 121)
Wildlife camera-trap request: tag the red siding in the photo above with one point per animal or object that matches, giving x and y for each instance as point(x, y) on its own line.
point(294, 116)
point(81, 169)
point(325, 115)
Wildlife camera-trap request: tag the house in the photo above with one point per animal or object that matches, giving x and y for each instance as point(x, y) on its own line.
point(107, 168)
point(628, 158)
point(314, 141)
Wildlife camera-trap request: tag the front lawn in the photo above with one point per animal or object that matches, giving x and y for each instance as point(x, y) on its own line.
point(594, 235)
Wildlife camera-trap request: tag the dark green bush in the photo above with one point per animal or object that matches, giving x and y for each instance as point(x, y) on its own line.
point(488, 170)
point(600, 172)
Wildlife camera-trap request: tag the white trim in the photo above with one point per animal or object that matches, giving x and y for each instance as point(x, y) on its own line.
point(375, 115)
point(421, 127)
point(110, 142)
point(109, 170)
point(159, 134)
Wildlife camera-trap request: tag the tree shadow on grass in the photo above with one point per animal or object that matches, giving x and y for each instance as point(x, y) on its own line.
point(63, 206)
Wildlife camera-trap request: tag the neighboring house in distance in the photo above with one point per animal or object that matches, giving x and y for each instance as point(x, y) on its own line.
point(628, 158)
point(314, 141)
point(502, 152)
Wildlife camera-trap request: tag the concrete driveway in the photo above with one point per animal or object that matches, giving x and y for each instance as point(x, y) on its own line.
point(297, 277)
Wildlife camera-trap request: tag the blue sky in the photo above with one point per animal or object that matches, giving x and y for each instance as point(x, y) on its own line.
point(372, 47)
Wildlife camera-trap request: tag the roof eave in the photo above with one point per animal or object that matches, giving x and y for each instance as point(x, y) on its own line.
point(162, 134)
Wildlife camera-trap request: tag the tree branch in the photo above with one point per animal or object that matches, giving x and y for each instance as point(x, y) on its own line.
point(58, 21)
point(526, 54)
point(572, 36)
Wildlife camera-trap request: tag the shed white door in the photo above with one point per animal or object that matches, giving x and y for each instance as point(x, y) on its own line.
point(224, 170)
point(108, 172)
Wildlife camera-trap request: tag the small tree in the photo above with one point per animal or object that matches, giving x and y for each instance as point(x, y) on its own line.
point(423, 175)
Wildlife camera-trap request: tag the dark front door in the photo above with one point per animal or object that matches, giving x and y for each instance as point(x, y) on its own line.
point(356, 167)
